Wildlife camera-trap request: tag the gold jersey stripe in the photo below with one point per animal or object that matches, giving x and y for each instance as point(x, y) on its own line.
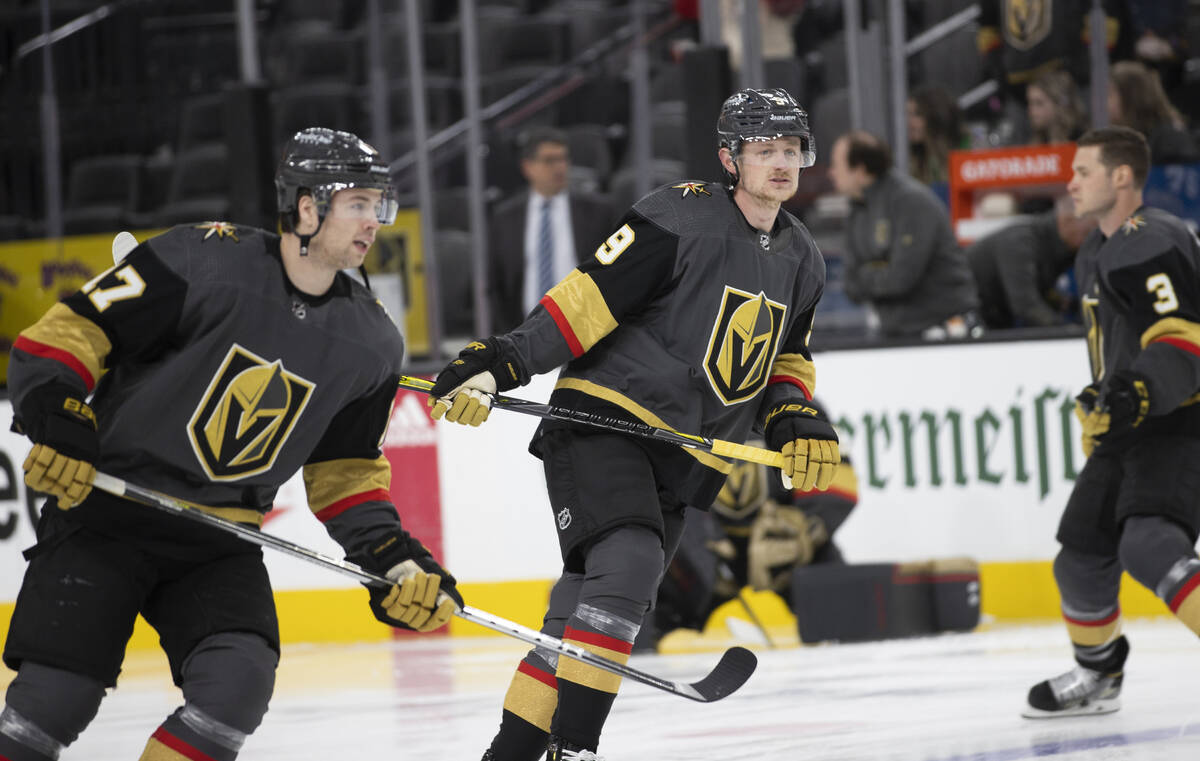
point(641, 413)
point(1092, 636)
point(590, 676)
point(235, 514)
point(78, 336)
point(798, 367)
point(334, 480)
point(1172, 327)
point(532, 700)
point(583, 306)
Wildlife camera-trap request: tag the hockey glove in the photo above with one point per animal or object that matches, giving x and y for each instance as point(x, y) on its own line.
point(463, 391)
point(62, 428)
point(424, 595)
point(1123, 407)
point(808, 443)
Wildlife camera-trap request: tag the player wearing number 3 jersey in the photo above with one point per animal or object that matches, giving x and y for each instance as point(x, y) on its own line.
point(1134, 506)
point(693, 315)
point(220, 360)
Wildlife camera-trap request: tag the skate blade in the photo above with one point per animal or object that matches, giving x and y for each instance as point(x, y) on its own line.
point(1092, 708)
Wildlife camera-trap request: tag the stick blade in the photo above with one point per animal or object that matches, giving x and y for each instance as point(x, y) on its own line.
point(734, 668)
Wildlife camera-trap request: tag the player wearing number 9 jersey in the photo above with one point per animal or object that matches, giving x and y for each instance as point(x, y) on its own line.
point(1134, 506)
point(693, 315)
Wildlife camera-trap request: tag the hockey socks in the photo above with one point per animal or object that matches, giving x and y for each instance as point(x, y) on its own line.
point(192, 735)
point(586, 693)
point(1179, 590)
point(1094, 634)
point(20, 740)
point(528, 708)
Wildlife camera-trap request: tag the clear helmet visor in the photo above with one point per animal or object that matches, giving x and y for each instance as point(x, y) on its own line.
point(369, 203)
point(778, 151)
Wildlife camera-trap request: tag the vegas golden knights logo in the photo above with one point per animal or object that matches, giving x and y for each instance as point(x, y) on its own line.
point(744, 338)
point(1027, 22)
point(246, 415)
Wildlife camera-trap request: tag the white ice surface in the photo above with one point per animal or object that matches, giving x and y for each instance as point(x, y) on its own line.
point(947, 698)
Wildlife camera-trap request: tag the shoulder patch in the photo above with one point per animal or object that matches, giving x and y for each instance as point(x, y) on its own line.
point(1133, 224)
point(220, 229)
point(695, 188)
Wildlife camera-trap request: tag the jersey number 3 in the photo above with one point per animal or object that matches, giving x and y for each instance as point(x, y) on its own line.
point(1160, 286)
point(132, 285)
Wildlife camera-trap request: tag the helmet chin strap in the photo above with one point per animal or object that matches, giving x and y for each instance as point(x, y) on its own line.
point(304, 239)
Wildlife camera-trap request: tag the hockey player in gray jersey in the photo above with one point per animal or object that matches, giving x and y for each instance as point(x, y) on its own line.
point(694, 315)
point(220, 360)
point(1134, 505)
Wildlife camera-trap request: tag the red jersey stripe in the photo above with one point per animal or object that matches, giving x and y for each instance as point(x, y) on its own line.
point(564, 327)
point(1179, 343)
point(342, 505)
point(794, 381)
point(38, 349)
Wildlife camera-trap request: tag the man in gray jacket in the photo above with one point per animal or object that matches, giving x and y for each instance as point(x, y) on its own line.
point(901, 255)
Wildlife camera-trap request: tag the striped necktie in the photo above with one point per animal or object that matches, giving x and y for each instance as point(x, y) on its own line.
point(545, 261)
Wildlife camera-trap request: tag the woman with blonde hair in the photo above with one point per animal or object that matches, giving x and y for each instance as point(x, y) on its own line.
point(1136, 99)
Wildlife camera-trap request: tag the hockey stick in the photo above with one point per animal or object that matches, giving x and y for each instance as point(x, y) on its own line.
point(730, 673)
point(552, 412)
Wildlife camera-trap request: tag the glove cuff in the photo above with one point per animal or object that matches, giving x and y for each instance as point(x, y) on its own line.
point(789, 421)
point(56, 414)
point(507, 369)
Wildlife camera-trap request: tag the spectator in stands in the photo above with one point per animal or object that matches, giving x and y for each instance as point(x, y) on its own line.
point(1056, 113)
point(540, 235)
point(1021, 40)
point(1017, 268)
point(1158, 27)
point(901, 254)
point(934, 129)
point(1136, 99)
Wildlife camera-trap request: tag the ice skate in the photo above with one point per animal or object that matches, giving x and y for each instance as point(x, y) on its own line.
point(562, 750)
point(1079, 692)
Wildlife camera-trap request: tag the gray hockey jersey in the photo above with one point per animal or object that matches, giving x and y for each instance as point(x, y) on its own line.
point(215, 380)
point(686, 318)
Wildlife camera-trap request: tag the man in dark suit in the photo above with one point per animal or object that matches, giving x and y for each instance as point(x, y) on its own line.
point(540, 235)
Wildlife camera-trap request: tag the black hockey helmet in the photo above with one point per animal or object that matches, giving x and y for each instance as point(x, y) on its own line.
point(751, 115)
point(324, 161)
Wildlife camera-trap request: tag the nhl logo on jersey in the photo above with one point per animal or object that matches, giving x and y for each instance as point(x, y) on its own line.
point(744, 339)
point(247, 413)
point(564, 518)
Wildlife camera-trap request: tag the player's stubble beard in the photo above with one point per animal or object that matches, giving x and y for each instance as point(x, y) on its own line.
point(767, 193)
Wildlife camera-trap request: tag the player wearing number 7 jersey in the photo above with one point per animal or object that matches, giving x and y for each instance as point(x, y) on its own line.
point(1134, 506)
point(694, 315)
point(220, 360)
